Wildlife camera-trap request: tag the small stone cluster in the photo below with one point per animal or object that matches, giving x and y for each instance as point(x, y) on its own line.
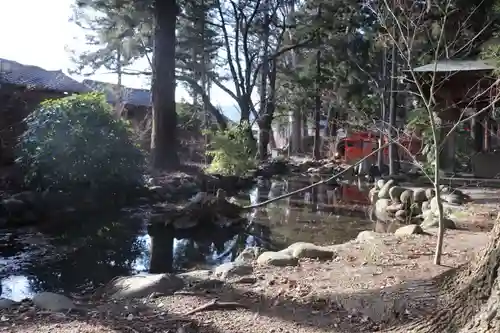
point(391, 202)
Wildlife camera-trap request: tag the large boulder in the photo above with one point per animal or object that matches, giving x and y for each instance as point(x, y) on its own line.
point(139, 286)
point(196, 275)
point(454, 198)
point(406, 198)
point(426, 206)
point(419, 195)
point(367, 236)
point(401, 215)
point(277, 259)
point(434, 206)
point(230, 269)
point(395, 193)
point(433, 222)
point(392, 209)
point(301, 250)
point(430, 193)
point(373, 195)
point(411, 229)
point(249, 254)
point(384, 191)
point(380, 210)
point(6, 303)
point(53, 302)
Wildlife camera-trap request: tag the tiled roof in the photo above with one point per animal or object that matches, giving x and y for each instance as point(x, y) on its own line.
point(137, 97)
point(455, 66)
point(34, 77)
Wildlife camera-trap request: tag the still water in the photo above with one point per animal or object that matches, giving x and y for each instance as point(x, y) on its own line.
point(91, 250)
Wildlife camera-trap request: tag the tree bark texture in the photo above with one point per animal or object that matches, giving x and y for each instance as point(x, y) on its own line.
point(470, 296)
point(163, 136)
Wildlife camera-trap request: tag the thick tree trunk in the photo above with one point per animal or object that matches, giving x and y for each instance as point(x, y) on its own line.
point(163, 136)
point(470, 296)
point(317, 100)
point(162, 248)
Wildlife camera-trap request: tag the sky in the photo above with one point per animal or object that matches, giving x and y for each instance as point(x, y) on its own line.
point(35, 32)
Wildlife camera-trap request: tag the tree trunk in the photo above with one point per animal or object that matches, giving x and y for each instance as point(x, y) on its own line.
point(163, 136)
point(471, 296)
point(383, 105)
point(265, 125)
point(392, 115)
point(264, 130)
point(317, 102)
point(162, 249)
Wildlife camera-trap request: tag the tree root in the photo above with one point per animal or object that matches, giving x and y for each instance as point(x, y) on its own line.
point(216, 305)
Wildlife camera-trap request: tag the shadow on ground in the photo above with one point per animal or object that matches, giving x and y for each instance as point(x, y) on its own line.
point(366, 311)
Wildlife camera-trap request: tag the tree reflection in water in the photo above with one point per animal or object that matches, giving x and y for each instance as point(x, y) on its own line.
point(93, 250)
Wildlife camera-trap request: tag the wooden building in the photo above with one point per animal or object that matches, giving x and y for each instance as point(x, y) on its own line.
point(464, 91)
point(22, 88)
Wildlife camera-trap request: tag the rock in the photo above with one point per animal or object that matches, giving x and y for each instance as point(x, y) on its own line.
point(6, 303)
point(394, 208)
point(384, 191)
point(434, 205)
point(406, 198)
point(230, 269)
point(184, 223)
point(426, 205)
point(415, 209)
point(393, 226)
point(53, 302)
point(395, 193)
point(433, 222)
point(411, 229)
point(366, 236)
point(308, 250)
point(380, 183)
point(138, 286)
point(13, 206)
point(197, 275)
point(277, 259)
point(419, 195)
point(445, 189)
point(373, 195)
point(401, 215)
point(430, 193)
point(453, 198)
point(245, 280)
point(381, 212)
point(426, 214)
point(249, 254)
point(30, 198)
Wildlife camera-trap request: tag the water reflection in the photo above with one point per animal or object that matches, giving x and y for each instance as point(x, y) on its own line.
point(90, 250)
point(324, 214)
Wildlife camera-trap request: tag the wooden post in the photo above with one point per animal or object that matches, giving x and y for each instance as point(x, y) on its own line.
point(477, 134)
point(487, 134)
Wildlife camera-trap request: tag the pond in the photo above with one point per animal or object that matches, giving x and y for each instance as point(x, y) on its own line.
point(92, 250)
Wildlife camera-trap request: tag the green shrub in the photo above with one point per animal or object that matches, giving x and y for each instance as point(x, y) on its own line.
point(76, 141)
point(232, 151)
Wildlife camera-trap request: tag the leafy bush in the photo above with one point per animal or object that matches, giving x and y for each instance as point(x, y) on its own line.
point(232, 151)
point(75, 141)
